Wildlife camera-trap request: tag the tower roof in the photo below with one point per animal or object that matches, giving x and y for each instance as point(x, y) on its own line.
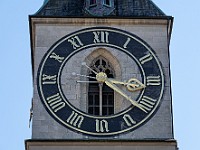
point(78, 8)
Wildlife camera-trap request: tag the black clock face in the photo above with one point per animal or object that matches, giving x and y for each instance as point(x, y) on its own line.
point(61, 94)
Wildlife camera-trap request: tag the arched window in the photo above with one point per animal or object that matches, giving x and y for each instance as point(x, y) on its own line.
point(93, 2)
point(107, 2)
point(100, 96)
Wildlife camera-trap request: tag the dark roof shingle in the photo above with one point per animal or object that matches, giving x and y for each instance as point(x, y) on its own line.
point(123, 8)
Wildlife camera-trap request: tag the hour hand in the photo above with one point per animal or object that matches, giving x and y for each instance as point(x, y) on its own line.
point(114, 87)
point(132, 84)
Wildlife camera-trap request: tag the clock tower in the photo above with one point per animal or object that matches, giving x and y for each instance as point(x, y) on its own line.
point(101, 76)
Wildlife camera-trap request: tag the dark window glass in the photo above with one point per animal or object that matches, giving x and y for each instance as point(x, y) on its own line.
point(90, 110)
point(96, 112)
point(92, 2)
point(107, 2)
point(107, 101)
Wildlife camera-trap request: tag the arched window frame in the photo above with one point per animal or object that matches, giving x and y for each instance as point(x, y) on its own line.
point(100, 96)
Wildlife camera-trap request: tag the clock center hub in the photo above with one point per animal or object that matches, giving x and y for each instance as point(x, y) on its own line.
point(101, 77)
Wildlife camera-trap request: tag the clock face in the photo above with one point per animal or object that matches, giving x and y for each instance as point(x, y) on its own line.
point(100, 81)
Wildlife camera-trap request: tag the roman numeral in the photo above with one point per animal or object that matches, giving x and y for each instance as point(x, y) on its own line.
point(47, 79)
point(126, 43)
point(55, 102)
point(101, 126)
point(76, 42)
point(75, 119)
point(147, 103)
point(129, 121)
point(153, 80)
point(101, 37)
point(57, 57)
point(146, 58)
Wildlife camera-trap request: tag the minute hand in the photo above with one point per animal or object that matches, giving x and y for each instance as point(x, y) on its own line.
point(114, 87)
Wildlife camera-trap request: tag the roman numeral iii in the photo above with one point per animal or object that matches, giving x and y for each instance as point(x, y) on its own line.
point(153, 80)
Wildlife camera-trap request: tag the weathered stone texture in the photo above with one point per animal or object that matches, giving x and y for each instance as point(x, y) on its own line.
point(46, 34)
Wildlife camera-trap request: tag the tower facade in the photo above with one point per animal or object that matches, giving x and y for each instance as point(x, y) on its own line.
point(101, 76)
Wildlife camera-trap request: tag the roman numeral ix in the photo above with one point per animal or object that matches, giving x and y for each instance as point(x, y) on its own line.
point(47, 79)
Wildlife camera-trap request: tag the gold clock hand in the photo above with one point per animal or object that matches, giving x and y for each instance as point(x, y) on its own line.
point(102, 78)
point(114, 87)
point(84, 64)
point(132, 84)
point(87, 81)
point(73, 73)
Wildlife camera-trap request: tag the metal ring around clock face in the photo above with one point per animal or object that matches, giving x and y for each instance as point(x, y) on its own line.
point(56, 102)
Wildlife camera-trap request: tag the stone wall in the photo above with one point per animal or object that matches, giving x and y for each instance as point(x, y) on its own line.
point(46, 31)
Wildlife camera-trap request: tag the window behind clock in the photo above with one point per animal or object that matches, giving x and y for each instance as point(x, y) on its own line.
point(100, 96)
point(107, 2)
point(92, 2)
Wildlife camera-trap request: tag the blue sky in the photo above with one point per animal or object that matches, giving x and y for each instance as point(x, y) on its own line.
point(16, 76)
